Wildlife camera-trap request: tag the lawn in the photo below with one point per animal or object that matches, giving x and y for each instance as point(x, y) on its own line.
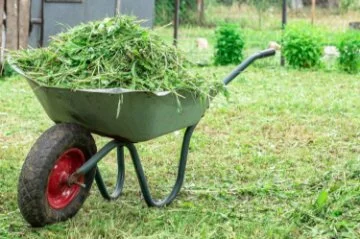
point(279, 159)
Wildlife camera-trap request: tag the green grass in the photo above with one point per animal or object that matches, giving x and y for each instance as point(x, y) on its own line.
point(257, 165)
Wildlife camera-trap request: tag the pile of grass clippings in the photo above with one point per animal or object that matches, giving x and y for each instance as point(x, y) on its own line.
point(115, 52)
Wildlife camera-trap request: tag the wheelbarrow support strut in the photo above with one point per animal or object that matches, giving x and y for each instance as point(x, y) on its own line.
point(92, 162)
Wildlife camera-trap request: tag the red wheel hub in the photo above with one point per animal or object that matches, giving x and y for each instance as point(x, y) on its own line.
point(59, 194)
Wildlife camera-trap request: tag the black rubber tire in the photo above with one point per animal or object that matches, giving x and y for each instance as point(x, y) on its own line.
point(40, 161)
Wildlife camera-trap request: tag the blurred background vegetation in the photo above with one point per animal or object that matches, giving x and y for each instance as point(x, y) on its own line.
point(189, 10)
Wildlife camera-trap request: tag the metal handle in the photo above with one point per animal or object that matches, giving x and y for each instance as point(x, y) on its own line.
point(247, 62)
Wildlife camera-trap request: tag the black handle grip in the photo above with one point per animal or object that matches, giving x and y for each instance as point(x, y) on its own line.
point(246, 63)
point(267, 53)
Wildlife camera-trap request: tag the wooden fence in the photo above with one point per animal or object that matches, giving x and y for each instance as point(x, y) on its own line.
point(16, 19)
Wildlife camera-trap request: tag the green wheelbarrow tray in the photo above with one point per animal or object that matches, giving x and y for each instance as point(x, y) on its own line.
point(126, 115)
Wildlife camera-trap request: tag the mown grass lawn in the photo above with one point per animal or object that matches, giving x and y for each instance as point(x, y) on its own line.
point(279, 159)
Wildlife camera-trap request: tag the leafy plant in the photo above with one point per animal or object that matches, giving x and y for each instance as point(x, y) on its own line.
point(349, 48)
point(302, 45)
point(6, 70)
point(229, 45)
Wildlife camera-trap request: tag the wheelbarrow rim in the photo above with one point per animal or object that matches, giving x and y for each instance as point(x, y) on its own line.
point(59, 194)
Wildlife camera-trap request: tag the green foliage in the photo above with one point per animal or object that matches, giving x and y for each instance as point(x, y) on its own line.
point(346, 5)
point(321, 200)
point(229, 45)
point(6, 70)
point(349, 48)
point(302, 45)
point(164, 11)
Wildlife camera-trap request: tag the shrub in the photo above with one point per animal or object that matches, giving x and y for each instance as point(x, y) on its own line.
point(302, 45)
point(349, 48)
point(6, 70)
point(229, 45)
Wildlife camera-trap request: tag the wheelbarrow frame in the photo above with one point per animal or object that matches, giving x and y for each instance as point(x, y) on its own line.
point(92, 162)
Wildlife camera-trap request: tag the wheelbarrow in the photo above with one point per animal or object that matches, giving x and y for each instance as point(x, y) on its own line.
point(61, 166)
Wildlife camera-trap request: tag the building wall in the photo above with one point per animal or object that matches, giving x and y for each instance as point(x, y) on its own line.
point(35, 29)
point(144, 9)
point(61, 14)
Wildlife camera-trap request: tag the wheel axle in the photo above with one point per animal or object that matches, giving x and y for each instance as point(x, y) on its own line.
point(74, 179)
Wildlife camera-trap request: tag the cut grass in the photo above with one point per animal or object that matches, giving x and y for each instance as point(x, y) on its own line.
point(257, 165)
point(111, 53)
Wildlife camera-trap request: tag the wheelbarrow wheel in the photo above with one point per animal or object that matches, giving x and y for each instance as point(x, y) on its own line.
point(44, 195)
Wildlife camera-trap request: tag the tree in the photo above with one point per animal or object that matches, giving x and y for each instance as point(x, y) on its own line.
point(201, 10)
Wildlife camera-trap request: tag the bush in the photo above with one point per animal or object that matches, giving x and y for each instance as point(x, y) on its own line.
point(229, 45)
point(6, 70)
point(302, 45)
point(349, 48)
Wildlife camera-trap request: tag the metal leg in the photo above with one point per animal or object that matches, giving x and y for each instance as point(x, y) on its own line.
point(180, 177)
point(119, 181)
point(92, 162)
